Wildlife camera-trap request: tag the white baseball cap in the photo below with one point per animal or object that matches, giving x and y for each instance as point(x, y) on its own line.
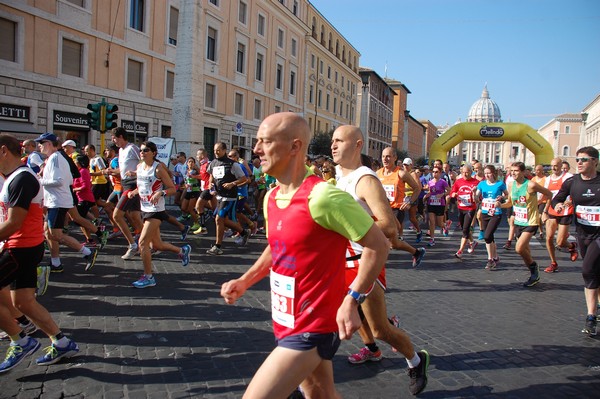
point(407, 161)
point(69, 142)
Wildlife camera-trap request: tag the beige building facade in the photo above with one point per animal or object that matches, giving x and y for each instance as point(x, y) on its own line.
point(563, 133)
point(199, 71)
point(62, 55)
point(590, 135)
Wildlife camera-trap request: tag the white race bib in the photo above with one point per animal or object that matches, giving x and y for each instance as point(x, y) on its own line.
point(588, 215)
point(520, 214)
point(282, 299)
point(465, 200)
point(488, 205)
point(390, 191)
point(435, 200)
point(218, 172)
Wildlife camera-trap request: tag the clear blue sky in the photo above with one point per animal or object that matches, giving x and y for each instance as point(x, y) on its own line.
point(540, 58)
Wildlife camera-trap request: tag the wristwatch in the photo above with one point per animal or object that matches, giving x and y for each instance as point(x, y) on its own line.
point(358, 297)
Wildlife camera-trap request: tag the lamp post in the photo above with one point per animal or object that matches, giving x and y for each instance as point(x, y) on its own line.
point(556, 143)
point(582, 137)
point(364, 112)
point(405, 134)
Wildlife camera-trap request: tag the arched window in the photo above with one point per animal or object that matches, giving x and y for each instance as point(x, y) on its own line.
point(566, 151)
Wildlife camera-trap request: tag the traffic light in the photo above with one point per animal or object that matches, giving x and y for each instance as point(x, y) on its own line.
point(110, 116)
point(94, 116)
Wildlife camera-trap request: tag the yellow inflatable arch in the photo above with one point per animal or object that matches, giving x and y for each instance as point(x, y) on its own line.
point(517, 132)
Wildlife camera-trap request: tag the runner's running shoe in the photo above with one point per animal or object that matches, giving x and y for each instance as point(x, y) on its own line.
point(590, 327)
point(185, 254)
point(418, 375)
point(365, 355)
point(144, 282)
point(43, 274)
point(214, 250)
point(55, 353)
point(418, 258)
point(16, 353)
point(553, 268)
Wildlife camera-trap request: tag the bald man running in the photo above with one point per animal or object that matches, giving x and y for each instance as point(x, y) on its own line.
point(364, 186)
point(309, 223)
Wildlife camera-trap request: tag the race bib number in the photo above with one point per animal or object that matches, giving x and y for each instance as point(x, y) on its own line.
point(145, 197)
point(435, 200)
point(282, 299)
point(390, 192)
point(520, 215)
point(488, 205)
point(465, 200)
point(219, 172)
point(588, 215)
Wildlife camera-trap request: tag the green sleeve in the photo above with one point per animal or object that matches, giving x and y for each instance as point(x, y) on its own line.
point(336, 210)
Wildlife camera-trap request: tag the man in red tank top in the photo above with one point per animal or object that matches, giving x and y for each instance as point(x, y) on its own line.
point(307, 233)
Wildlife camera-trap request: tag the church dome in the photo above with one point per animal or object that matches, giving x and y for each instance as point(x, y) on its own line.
point(484, 110)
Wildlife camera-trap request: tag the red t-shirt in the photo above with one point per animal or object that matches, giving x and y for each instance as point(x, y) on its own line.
point(464, 193)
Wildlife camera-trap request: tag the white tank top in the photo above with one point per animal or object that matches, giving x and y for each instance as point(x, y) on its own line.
point(148, 184)
point(348, 184)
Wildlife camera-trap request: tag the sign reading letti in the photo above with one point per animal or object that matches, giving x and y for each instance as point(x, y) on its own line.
point(14, 112)
point(140, 127)
point(491, 131)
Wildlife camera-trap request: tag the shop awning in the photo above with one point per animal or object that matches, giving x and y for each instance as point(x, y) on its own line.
point(18, 127)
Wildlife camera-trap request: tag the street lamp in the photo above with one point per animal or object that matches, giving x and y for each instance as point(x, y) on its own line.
point(582, 136)
point(405, 134)
point(556, 142)
point(365, 80)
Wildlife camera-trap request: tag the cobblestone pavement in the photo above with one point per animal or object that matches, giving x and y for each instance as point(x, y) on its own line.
point(487, 335)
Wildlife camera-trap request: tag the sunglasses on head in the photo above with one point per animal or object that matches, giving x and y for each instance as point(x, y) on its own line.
point(584, 159)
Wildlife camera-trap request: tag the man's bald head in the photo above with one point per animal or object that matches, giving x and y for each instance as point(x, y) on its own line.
point(346, 146)
point(350, 132)
point(288, 126)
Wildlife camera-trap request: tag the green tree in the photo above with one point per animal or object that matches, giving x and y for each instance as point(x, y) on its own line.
point(321, 144)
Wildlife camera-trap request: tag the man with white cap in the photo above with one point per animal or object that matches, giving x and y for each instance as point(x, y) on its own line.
point(69, 147)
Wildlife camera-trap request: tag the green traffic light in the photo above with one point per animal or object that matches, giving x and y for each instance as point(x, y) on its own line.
point(110, 116)
point(94, 116)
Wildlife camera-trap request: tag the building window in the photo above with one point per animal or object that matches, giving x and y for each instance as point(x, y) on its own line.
point(293, 83)
point(173, 22)
point(211, 44)
point(341, 108)
point(215, 2)
point(136, 15)
point(170, 84)
point(279, 77)
point(328, 72)
point(277, 109)
point(238, 107)
point(209, 96)
point(280, 38)
point(327, 102)
point(294, 45)
point(261, 25)
point(567, 129)
point(241, 56)
point(257, 109)
point(321, 67)
point(295, 8)
point(259, 67)
point(335, 105)
point(72, 56)
point(312, 61)
point(243, 8)
point(8, 33)
point(311, 94)
point(319, 97)
point(79, 3)
point(566, 151)
point(134, 75)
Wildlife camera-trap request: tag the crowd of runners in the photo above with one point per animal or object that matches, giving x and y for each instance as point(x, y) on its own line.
point(347, 206)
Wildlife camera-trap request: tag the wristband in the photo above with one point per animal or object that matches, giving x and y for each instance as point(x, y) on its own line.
point(358, 297)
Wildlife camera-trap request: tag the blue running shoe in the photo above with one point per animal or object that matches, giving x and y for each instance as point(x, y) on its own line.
point(185, 254)
point(55, 353)
point(419, 237)
point(144, 282)
point(418, 257)
point(184, 232)
point(16, 353)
